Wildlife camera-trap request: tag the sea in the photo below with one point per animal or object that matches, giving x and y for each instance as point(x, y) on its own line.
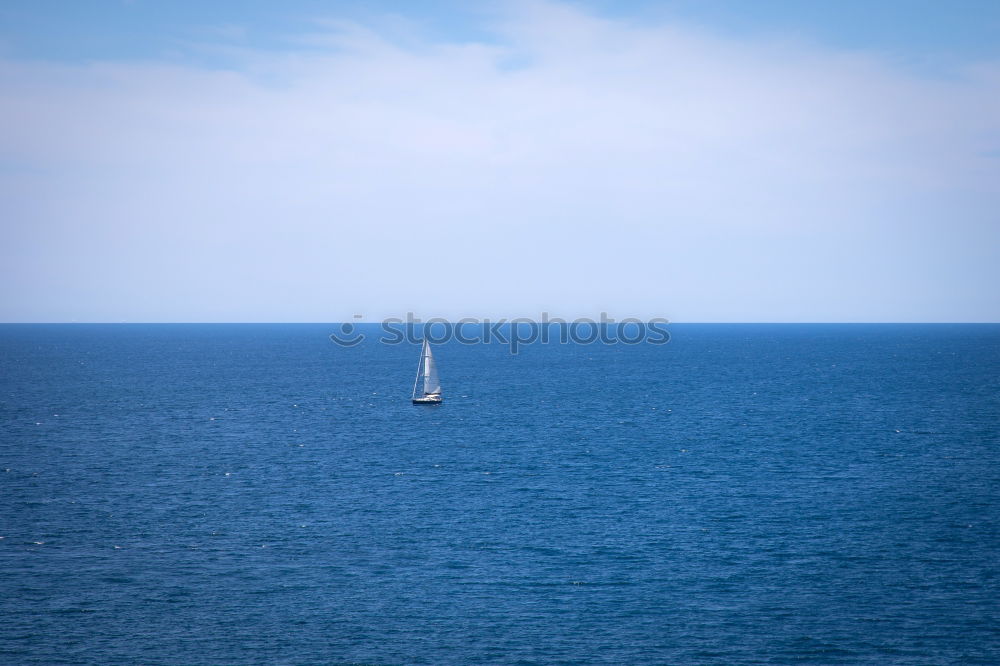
point(257, 494)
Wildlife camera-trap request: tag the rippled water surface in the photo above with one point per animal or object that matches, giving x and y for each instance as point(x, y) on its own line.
point(746, 494)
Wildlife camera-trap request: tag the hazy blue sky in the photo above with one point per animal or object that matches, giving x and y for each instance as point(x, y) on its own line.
point(307, 160)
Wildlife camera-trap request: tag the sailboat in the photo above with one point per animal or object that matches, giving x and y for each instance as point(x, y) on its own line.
point(430, 392)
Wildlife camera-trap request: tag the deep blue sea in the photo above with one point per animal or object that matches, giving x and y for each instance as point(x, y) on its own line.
point(255, 494)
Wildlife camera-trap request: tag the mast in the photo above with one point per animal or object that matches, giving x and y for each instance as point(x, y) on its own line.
point(420, 365)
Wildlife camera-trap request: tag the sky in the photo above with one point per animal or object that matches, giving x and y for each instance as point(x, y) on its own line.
point(307, 161)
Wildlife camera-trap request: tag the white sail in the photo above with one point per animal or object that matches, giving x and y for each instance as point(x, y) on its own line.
point(431, 382)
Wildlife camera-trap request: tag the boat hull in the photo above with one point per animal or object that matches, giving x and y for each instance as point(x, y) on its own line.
point(426, 401)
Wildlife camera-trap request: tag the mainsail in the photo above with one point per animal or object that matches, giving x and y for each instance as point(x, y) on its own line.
point(431, 388)
point(431, 382)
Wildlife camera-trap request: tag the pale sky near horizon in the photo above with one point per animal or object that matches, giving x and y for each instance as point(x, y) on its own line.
point(308, 161)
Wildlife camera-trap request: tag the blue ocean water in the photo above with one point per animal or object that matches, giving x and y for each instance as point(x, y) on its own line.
point(255, 494)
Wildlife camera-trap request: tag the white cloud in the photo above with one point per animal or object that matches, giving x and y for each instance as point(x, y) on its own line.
point(575, 164)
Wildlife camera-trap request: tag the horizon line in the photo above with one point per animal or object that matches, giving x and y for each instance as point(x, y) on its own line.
point(500, 320)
